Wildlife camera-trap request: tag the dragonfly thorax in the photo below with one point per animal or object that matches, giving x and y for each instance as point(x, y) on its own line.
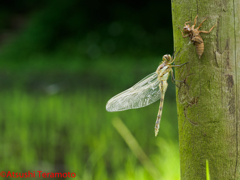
point(163, 71)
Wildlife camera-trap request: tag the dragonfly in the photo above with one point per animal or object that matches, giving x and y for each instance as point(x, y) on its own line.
point(146, 91)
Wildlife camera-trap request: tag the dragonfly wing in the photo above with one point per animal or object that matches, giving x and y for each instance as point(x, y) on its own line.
point(142, 94)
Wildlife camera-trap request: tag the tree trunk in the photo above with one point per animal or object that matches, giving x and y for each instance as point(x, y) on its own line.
point(209, 107)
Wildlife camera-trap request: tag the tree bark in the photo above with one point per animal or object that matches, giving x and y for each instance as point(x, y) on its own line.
point(209, 107)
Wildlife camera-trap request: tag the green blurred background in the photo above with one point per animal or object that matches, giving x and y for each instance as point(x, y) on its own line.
point(60, 62)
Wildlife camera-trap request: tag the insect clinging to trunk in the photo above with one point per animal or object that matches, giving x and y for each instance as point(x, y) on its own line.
point(194, 35)
point(146, 91)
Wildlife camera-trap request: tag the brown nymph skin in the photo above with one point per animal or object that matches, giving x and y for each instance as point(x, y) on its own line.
point(194, 35)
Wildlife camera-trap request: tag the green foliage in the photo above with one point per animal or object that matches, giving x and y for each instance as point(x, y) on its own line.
point(88, 28)
point(73, 132)
point(61, 56)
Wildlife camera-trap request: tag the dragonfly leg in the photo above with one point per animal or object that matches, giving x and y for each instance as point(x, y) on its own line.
point(208, 31)
point(201, 23)
point(179, 65)
point(173, 80)
point(195, 21)
point(174, 56)
point(174, 52)
point(186, 23)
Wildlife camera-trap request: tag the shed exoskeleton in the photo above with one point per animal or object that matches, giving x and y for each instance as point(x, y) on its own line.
point(194, 35)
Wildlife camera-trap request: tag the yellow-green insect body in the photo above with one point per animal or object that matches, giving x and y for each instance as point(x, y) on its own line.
point(145, 92)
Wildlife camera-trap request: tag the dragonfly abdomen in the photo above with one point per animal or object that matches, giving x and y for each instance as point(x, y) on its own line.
point(163, 87)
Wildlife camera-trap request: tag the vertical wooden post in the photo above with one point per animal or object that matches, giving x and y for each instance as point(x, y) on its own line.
point(209, 109)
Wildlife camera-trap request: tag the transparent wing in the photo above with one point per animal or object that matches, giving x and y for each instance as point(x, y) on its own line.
point(142, 94)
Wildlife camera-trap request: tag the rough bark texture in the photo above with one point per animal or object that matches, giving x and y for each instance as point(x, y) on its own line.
point(209, 109)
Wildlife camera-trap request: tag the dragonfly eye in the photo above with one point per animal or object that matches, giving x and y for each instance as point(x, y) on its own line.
point(166, 57)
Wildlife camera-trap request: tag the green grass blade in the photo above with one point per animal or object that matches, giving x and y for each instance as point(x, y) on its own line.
point(207, 171)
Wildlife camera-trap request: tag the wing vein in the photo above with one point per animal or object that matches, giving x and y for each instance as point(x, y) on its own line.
point(142, 94)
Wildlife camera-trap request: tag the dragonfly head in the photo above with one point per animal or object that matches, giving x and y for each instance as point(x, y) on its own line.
point(186, 29)
point(167, 57)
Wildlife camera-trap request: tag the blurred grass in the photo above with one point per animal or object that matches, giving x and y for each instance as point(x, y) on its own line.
point(60, 61)
point(53, 117)
point(73, 132)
